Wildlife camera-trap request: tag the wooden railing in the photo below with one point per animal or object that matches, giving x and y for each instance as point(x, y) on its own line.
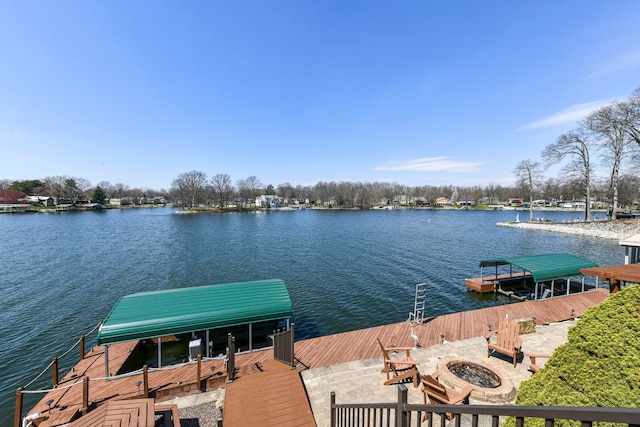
point(403, 414)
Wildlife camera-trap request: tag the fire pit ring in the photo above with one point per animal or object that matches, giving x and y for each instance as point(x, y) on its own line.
point(475, 374)
point(504, 392)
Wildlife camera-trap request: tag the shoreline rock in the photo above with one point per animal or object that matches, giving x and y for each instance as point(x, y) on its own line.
point(609, 229)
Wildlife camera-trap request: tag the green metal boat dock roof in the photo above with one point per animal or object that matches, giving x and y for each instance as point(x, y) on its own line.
point(544, 267)
point(168, 312)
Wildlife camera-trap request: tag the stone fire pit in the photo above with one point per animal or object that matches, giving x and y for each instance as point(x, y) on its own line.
point(488, 381)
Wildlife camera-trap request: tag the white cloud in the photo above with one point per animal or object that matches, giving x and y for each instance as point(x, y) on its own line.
point(621, 63)
point(569, 115)
point(431, 164)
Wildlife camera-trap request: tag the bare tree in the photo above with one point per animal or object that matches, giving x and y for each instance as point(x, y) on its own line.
point(249, 189)
point(286, 190)
point(254, 186)
point(189, 187)
point(5, 184)
point(608, 127)
point(631, 112)
point(574, 144)
point(54, 187)
point(627, 114)
point(529, 176)
point(629, 190)
point(243, 191)
point(120, 190)
point(67, 189)
point(303, 193)
point(222, 187)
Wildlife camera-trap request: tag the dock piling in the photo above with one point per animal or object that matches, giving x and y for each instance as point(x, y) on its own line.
point(54, 372)
point(199, 373)
point(145, 380)
point(81, 346)
point(17, 416)
point(85, 395)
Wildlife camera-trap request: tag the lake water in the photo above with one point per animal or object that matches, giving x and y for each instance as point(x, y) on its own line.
point(345, 270)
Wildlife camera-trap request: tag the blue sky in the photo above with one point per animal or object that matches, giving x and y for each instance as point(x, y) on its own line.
point(414, 92)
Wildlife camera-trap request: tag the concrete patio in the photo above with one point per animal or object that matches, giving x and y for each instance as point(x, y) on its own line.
point(362, 382)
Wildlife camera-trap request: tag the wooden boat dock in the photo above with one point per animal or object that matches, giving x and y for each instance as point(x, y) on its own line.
point(488, 283)
point(257, 372)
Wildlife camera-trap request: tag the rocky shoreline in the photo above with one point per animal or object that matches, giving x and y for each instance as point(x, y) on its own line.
point(605, 229)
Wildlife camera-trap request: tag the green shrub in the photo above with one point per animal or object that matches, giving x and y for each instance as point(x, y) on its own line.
point(598, 366)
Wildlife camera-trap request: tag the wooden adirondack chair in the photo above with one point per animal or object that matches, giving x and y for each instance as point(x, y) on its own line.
point(436, 393)
point(508, 340)
point(399, 370)
point(534, 367)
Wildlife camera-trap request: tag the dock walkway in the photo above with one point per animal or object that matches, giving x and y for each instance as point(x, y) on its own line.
point(361, 344)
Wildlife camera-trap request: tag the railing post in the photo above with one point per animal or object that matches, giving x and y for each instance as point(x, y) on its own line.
point(81, 346)
point(199, 373)
point(145, 380)
point(17, 415)
point(292, 353)
point(54, 372)
point(231, 357)
point(106, 361)
point(333, 410)
point(85, 395)
point(401, 416)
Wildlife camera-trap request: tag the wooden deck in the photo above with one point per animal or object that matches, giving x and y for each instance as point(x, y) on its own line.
point(272, 395)
point(67, 397)
point(256, 368)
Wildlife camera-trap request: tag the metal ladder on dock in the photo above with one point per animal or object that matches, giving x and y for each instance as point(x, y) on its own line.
point(419, 304)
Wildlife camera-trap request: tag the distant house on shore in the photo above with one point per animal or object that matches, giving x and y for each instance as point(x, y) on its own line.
point(39, 200)
point(419, 201)
point(125, 201)
point(443, 201)
point(401, 199)
point(268, 201)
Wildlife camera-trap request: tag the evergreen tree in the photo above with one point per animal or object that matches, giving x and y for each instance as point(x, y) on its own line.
point(98, 195)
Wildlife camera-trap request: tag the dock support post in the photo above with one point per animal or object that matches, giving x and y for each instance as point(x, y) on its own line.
point(85, 395)
point(17, 415)
point(159, 352)
point(54, 372)
point(199, 373)
point(81, 346)
point(145, 380)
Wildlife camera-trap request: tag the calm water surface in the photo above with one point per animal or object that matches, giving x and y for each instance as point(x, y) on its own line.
point(345, 270)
